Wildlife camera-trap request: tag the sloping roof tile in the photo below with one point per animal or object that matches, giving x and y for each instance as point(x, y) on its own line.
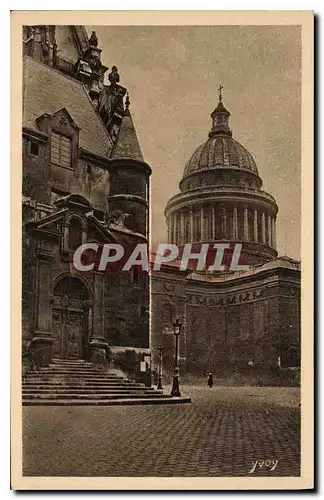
point(47, 90)
point(127, 145)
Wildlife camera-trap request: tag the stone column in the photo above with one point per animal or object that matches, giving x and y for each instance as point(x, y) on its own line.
point(191, 225)
point(224, 224)
point(169, 229)
point(235, 228)
point(65, 243)
point(255, 226)
point(213, 235)
point(274, 243)
point(246, 225)
point(182, 229)
point(175, 218)
point(42, 340)
point(202, 231)
point(263, 228)
point(98, 342)
point(269, 231)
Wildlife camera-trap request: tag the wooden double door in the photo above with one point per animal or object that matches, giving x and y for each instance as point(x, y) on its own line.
point(70, 333)
point(70, 320)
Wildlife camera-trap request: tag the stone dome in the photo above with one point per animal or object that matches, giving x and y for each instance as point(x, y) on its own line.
point(221, 199)
point(220, 151)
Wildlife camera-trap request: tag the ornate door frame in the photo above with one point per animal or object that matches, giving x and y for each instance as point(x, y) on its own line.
point(71, 297)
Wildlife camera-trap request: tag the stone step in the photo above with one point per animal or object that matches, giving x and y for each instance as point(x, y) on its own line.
point(105, 402)
point(90, 376)
point(63, 371)
point(91, 396)
point(77, 381)
point(57, 361)
point(69, 389)
point(42, 385)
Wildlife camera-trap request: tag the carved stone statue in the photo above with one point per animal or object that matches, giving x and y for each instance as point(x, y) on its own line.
point(118, 218)
point(113, 76)
point(93, 40)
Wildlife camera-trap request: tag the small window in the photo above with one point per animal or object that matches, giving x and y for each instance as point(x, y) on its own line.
point(61, 150)
point(34, 148)
point(89, 169)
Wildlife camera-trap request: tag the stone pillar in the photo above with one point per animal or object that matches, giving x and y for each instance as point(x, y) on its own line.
point(42, 341)
point(175, 229)
point(269, 231)
point(191, 225)
point(246, 225)
point(202, 231)
point(263, 238)
point(65, 243)
point(235, 228)
point(213, 235)
point(169, 229)
point(255, 226)
point(224, 224)
point(84, 236)
point(274, 243)
point(182, 229)
point(98, 344)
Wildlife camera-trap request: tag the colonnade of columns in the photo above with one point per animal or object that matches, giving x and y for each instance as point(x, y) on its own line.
point(221, 223)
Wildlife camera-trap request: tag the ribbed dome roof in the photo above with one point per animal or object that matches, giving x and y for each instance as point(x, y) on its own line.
point(220, 151)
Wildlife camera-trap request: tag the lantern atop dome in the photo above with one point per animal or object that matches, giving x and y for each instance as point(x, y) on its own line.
point(220, 117)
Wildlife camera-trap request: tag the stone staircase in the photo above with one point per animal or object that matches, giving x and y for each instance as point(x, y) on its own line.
point(77, 382)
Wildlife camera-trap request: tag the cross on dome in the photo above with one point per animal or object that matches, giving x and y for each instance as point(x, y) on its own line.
point(220, 88)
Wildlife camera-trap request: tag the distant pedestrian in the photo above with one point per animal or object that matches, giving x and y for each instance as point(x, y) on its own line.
point(210, 380)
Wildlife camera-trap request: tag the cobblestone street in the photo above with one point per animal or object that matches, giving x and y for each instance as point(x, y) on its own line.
point(223, 432)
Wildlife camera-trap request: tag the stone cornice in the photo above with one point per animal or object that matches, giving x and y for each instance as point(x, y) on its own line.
point(222, 169)
point(35, 134)
point(101, 161)
point(227, 194)
point(130, 162)
point(128, 197)
point(274, 275)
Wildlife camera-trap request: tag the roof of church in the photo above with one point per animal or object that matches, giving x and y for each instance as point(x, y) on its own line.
point(48, 90)
point(127, 145)
point(220, 151)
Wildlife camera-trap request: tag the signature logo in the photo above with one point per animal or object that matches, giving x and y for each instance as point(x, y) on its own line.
point(263, 464)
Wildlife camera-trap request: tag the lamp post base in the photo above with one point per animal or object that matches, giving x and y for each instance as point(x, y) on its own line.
point(175, 385)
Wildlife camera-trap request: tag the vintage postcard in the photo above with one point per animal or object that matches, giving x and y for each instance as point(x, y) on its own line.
point(162, 280)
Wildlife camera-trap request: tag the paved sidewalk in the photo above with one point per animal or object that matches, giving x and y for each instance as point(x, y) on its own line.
point(223, 432)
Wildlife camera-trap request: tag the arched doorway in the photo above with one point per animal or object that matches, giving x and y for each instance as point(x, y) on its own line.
point(71, 313)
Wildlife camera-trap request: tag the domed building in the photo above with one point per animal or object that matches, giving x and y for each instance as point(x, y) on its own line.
point(221, 197)
point(231, 320)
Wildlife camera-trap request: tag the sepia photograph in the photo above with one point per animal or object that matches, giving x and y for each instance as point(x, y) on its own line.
point(164, 197)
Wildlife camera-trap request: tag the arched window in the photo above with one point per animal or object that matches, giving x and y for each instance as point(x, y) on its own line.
point(75, 233)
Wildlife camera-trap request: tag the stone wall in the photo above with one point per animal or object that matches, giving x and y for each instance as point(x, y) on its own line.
point(228, 324)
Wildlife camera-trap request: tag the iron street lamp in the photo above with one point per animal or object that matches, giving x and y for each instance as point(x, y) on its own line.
point(175, 383)
point(160, 351)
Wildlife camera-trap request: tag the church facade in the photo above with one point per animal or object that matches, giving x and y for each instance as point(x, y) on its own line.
point(231, 320)
point(84, 180)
